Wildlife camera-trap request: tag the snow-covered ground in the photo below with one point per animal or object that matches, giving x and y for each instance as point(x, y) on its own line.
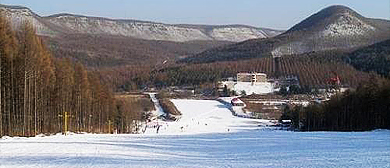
point(205, 116)
point(257, 88)
point(255, 148)
point(249, 88)
point(158, 109)
point(210, 137)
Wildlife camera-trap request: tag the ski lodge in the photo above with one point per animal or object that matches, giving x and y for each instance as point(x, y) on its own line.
point(248, 83)
point(251, 77)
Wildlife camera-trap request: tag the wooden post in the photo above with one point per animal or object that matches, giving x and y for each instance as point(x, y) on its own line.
point(89, 123)
point(65, 116)
point(109, 126)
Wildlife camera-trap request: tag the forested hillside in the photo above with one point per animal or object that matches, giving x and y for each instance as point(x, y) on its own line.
point(111, 51)
point(313, 70)
point(37, 91)
point(372, 58)
point(367, 108)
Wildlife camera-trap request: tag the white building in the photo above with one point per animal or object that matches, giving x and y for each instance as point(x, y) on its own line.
point(250, 83)
point(251, 77)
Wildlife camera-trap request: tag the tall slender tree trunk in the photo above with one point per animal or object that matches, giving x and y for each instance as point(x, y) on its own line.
point(12, 110)
point(35, 104)
point(79, 112)
point(1, 97)
point(25, 101)
point(10, 127)
point(28, 117)
point(31, 104)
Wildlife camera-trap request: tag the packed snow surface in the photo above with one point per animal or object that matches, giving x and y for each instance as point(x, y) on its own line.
point(205, 116)
point(256, 88)
point(249, 87)
point(256, 148)
point(212, 145)
point(158, 109)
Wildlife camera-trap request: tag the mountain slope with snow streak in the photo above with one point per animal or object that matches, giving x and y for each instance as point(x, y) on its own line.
point(333, 28)
point(70, 23)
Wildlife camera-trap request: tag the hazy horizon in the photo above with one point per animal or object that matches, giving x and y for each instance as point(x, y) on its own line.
point(278, 14)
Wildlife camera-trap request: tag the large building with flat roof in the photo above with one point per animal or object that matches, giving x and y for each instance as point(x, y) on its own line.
point(251, 77)
point(248, 83)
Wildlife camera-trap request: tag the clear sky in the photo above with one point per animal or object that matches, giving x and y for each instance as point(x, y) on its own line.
point(277, 14)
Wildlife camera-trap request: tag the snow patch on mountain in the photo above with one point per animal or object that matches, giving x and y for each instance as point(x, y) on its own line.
point(67, 23)
point(341, 33)
point(157, 31)
point(296, 47)
point(143, 30)
point(19, 16)
point(236, 34)
point(347, 25)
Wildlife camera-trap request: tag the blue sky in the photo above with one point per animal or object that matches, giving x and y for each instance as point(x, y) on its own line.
point(278, 14)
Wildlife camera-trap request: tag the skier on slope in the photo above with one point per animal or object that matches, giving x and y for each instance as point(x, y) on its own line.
point(158, 128)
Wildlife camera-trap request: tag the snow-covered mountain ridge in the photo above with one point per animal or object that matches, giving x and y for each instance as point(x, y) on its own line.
point(333, 28)
point(68, 23)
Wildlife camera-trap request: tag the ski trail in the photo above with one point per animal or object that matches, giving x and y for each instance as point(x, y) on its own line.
point(205, 116)
point(159, 110)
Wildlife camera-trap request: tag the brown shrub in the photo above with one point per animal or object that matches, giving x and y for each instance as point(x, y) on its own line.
point(169, 108)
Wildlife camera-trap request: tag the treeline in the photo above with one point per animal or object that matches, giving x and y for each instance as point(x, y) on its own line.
point(130, 111)
point(313, 71)
point(372, 58)
point(39, 93)
point(366, 108)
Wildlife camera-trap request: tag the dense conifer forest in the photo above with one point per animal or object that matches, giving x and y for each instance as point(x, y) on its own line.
point(374, 58)
point(366, 108)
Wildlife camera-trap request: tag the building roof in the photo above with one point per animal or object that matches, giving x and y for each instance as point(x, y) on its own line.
point(251, 73)
point(237, 100)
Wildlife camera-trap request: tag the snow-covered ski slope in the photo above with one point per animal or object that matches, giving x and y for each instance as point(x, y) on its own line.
point(256, 148)
point(226, 141)
point(158, 109)
point(205, 116)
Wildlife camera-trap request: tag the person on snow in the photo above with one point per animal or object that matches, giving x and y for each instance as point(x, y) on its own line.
point(158, 128)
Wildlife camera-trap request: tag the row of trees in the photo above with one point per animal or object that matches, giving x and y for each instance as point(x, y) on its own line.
point(130, 111)
point(313, 71)
point(367, 108)
point(39, 93)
